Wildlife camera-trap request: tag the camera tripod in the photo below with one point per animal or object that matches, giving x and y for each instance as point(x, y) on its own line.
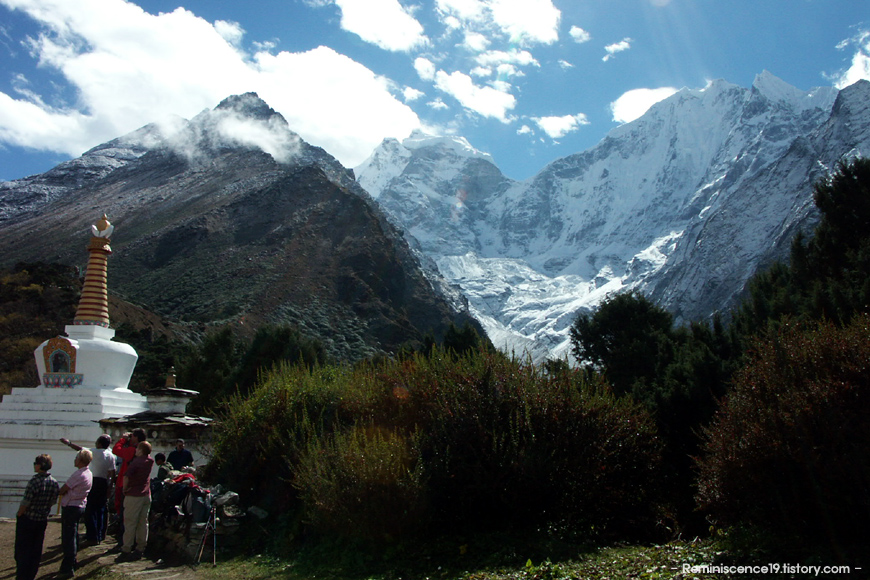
point(209, 526)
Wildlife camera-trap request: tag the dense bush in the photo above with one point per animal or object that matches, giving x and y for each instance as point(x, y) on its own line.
point(469, 443)
point(787, 452)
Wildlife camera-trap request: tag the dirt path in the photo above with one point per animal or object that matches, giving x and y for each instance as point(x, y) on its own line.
point(91, 560)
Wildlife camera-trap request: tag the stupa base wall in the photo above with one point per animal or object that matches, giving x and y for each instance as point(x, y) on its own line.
point(32, 421)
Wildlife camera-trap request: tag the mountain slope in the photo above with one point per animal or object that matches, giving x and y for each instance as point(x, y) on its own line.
point(232, 218)
point(684, 204)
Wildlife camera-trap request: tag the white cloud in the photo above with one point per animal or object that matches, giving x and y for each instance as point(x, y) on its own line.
point(425, 68)
point(860, 67)
point(437, 104)
point(232, 32)
point(524, 130)
point(411, 94)
point(636, 102)
point(39, 127)
point(617, 47)
point(556, 127)
point(523, 21)
point(265, 134)
point(502, 86)
point(451, 22)
point(481, 71)
point(527, 21)
point(579, 35)
point(468, 10)
point(475, 42)
point(384, 23)
point(485, 101)
point(565, 64)
point(21, 85)
point(508, 70)
point(347, 106)
point(129, 68)
point(512, 56)
point(265, 46)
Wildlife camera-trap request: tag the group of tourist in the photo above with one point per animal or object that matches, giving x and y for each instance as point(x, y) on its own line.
point(84, 496)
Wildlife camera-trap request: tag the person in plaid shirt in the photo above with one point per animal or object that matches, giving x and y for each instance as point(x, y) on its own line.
point(39, 497)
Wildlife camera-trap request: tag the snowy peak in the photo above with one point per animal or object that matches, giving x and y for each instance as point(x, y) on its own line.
point(385, 163)
point(457, 145)
point(854, 98)
point(440, 157)
point(776, 89)
point(249, 105)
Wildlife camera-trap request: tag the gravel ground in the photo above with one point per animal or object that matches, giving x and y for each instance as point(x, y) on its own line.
point(91, 560)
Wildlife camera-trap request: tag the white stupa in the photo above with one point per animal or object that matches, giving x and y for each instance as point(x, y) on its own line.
point(84, 378)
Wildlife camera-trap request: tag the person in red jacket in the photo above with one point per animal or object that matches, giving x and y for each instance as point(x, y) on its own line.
point(125, 449)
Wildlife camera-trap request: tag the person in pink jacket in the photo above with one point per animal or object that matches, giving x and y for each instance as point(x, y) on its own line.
point(73, 499)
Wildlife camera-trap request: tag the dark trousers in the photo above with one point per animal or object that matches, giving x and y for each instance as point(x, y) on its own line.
point(95, 511)
point(29, 536)
point(69, 537)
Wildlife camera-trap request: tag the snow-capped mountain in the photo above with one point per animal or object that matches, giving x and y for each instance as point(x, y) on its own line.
point(684, 204)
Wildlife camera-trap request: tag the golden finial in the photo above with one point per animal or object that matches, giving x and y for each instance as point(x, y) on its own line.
point(102, 229)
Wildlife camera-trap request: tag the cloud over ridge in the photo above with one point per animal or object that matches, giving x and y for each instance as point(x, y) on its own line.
point(129, 68)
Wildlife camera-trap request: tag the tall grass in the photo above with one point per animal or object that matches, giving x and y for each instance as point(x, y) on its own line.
point(439, 443)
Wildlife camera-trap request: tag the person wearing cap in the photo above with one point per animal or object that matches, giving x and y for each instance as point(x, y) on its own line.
point(180, 457)
point(32, 518)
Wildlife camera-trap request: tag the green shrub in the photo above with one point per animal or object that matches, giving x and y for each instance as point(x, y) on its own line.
point(787, 452)
point(363, 482)
point(259, 438)
point(464, 443)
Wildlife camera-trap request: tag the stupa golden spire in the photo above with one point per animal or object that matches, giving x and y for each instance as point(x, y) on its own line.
point(94, 304)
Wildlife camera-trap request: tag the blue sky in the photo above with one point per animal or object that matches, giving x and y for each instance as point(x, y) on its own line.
point(527, 81)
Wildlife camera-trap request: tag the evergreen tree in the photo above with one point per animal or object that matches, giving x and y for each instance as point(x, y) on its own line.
point(273, 344)
point(628, 339)
point(677, 373)
point(209, 368)
point(223, 364)
point(461, 341)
